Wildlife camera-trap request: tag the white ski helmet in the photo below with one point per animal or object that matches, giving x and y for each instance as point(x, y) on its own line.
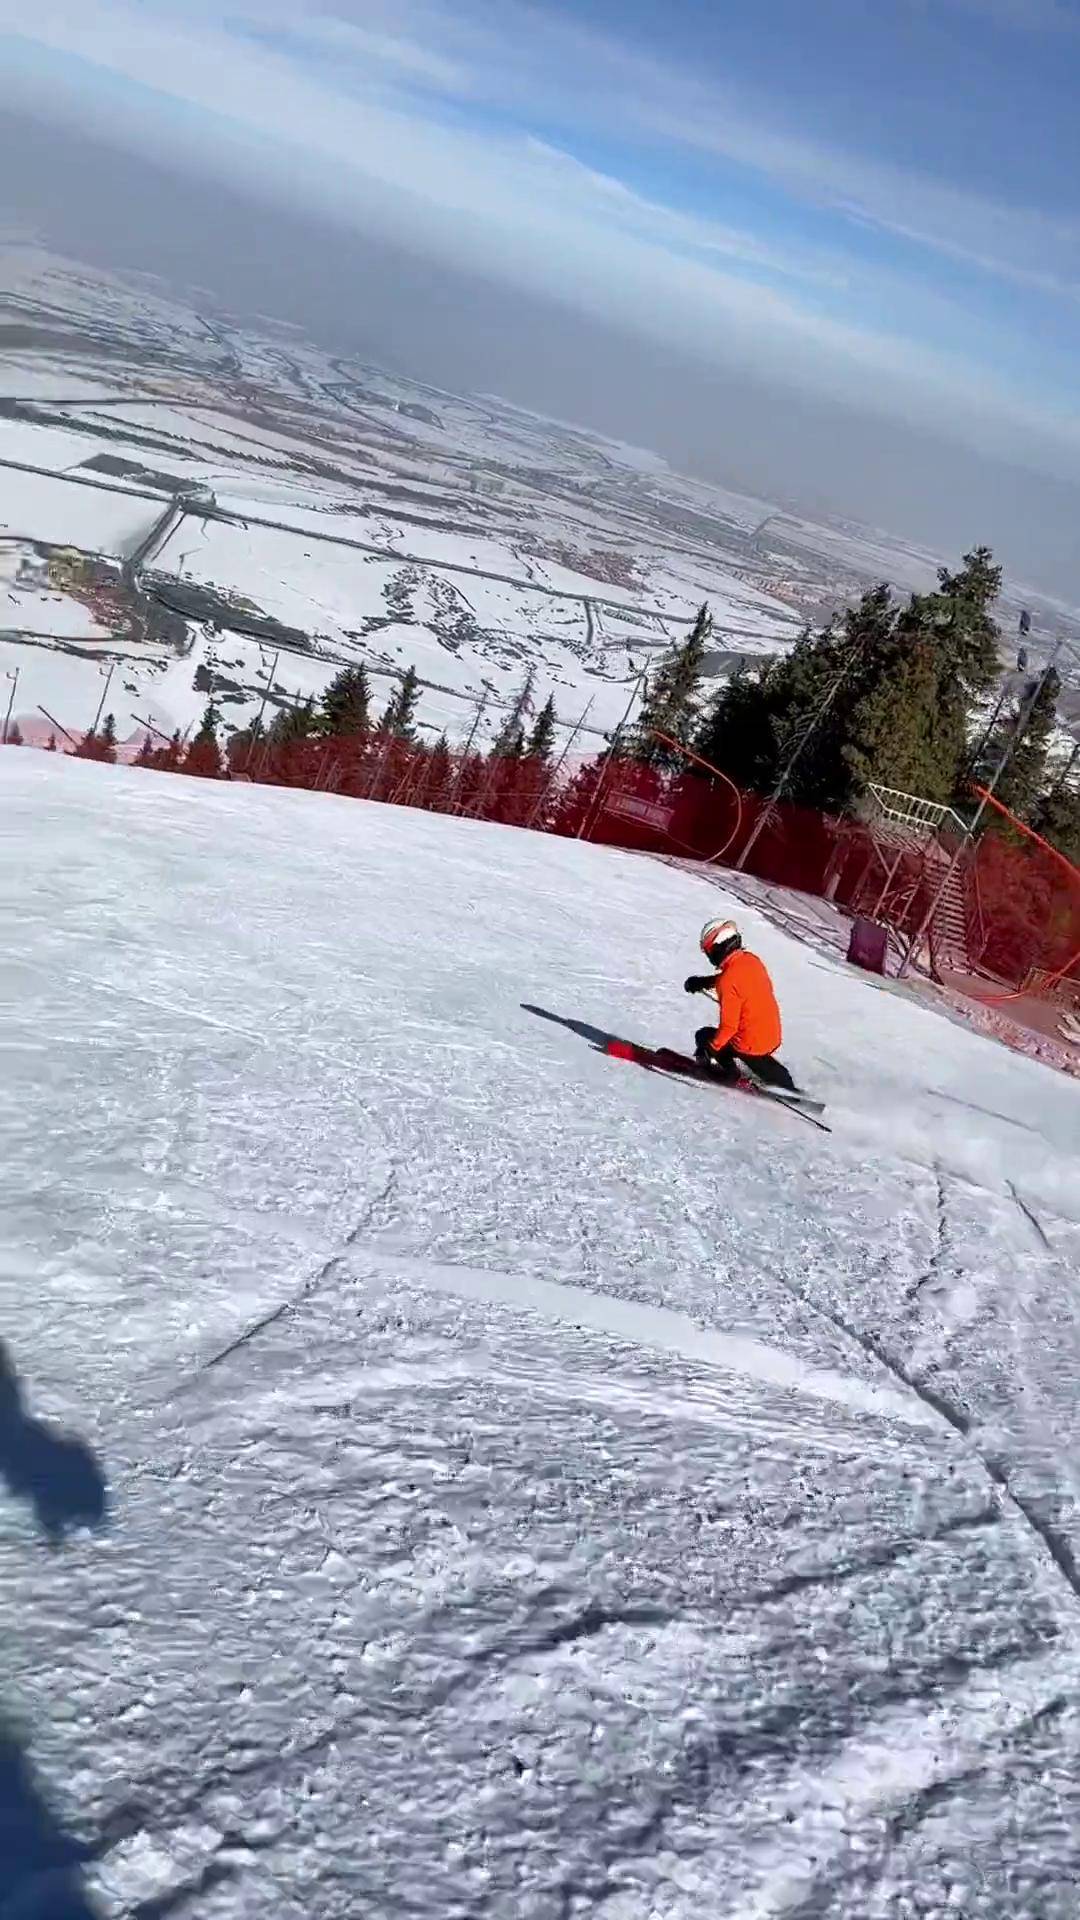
point(718, 939)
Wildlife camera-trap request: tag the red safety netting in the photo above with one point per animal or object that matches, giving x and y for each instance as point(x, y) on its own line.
point(1028, 898)
point(1004, 910)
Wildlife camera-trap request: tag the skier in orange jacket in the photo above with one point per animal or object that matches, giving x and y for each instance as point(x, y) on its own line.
point(749, 1027)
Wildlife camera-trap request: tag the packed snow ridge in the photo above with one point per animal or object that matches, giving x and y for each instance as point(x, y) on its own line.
point(447, 1471)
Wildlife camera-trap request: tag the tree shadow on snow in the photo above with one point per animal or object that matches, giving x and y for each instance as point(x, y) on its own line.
point(62, 1480)
point(58, 1474)
point(595, 1035)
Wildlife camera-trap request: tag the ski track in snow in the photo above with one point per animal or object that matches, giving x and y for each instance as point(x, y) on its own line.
point(659, 1328)
point(534, 1487)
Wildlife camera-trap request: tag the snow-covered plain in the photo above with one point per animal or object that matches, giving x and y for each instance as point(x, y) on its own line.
point(525, 1486)
point(377, 518)
point(380, 519)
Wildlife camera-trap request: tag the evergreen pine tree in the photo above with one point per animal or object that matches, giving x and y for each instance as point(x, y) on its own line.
point(97, 746)
point(912, 726)
point(290, 758)
point(1056, 815)
point(399, 717)
point(145, 755)
point(811, 696)
point(440, 775)
point(882, 696)
point(967, 649)
point(575, 802)
point(894, 734)
point(1022, 737)
point(970, 641)
point(293, 723)
point(50, 746)
point(242, 746)
point(1063, 772)
point(791, 720)
point(346, 704)
point(167, 759)
point(14, 738)
point(670, 703)
point(737, 733)
point(542, 737)
point(203, 756)
point(468, 784)
point(509, 743)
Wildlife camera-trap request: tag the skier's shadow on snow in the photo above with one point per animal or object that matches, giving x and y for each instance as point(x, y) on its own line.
point(62, 1481)
point(58, 1474)
point(595, 1035)
point(39, 1863)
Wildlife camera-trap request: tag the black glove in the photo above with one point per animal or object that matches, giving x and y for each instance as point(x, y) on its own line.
point(697, 982)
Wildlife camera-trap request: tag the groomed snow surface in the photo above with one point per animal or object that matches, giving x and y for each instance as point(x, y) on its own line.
point(525, 1486)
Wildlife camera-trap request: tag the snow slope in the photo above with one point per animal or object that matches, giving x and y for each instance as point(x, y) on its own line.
point(525, 1486)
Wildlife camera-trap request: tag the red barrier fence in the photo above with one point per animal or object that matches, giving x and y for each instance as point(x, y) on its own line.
point(1006, 907)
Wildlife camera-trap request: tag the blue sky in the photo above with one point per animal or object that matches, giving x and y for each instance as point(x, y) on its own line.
point(871, 201)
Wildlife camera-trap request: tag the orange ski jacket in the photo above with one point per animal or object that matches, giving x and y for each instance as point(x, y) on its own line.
point(749, 1015)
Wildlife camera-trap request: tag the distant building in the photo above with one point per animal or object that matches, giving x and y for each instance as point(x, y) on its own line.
point(413, 411)
point(722, 663)
point(65, 566)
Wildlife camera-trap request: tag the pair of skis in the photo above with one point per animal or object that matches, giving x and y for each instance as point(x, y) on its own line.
point(681, 1066)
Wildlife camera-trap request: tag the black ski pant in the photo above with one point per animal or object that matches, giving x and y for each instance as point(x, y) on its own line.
point(725, 1063)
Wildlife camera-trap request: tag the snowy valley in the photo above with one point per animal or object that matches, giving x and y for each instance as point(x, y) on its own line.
point(328, 512)
point(207, 509)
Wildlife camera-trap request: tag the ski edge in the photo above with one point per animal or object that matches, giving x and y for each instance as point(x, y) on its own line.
point(681, 1066)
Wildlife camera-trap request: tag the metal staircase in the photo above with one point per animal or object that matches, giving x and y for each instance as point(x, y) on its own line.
point(919, 850)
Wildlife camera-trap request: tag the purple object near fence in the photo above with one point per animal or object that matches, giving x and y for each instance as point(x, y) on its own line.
point(869, 945)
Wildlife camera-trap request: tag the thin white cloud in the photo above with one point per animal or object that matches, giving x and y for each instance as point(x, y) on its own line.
point(638, 214)
point(409, 60)
point(520, 56)
point(514, 56)
point(507, 206)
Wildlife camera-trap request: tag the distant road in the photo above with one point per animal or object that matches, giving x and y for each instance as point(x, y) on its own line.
point(229, 517)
